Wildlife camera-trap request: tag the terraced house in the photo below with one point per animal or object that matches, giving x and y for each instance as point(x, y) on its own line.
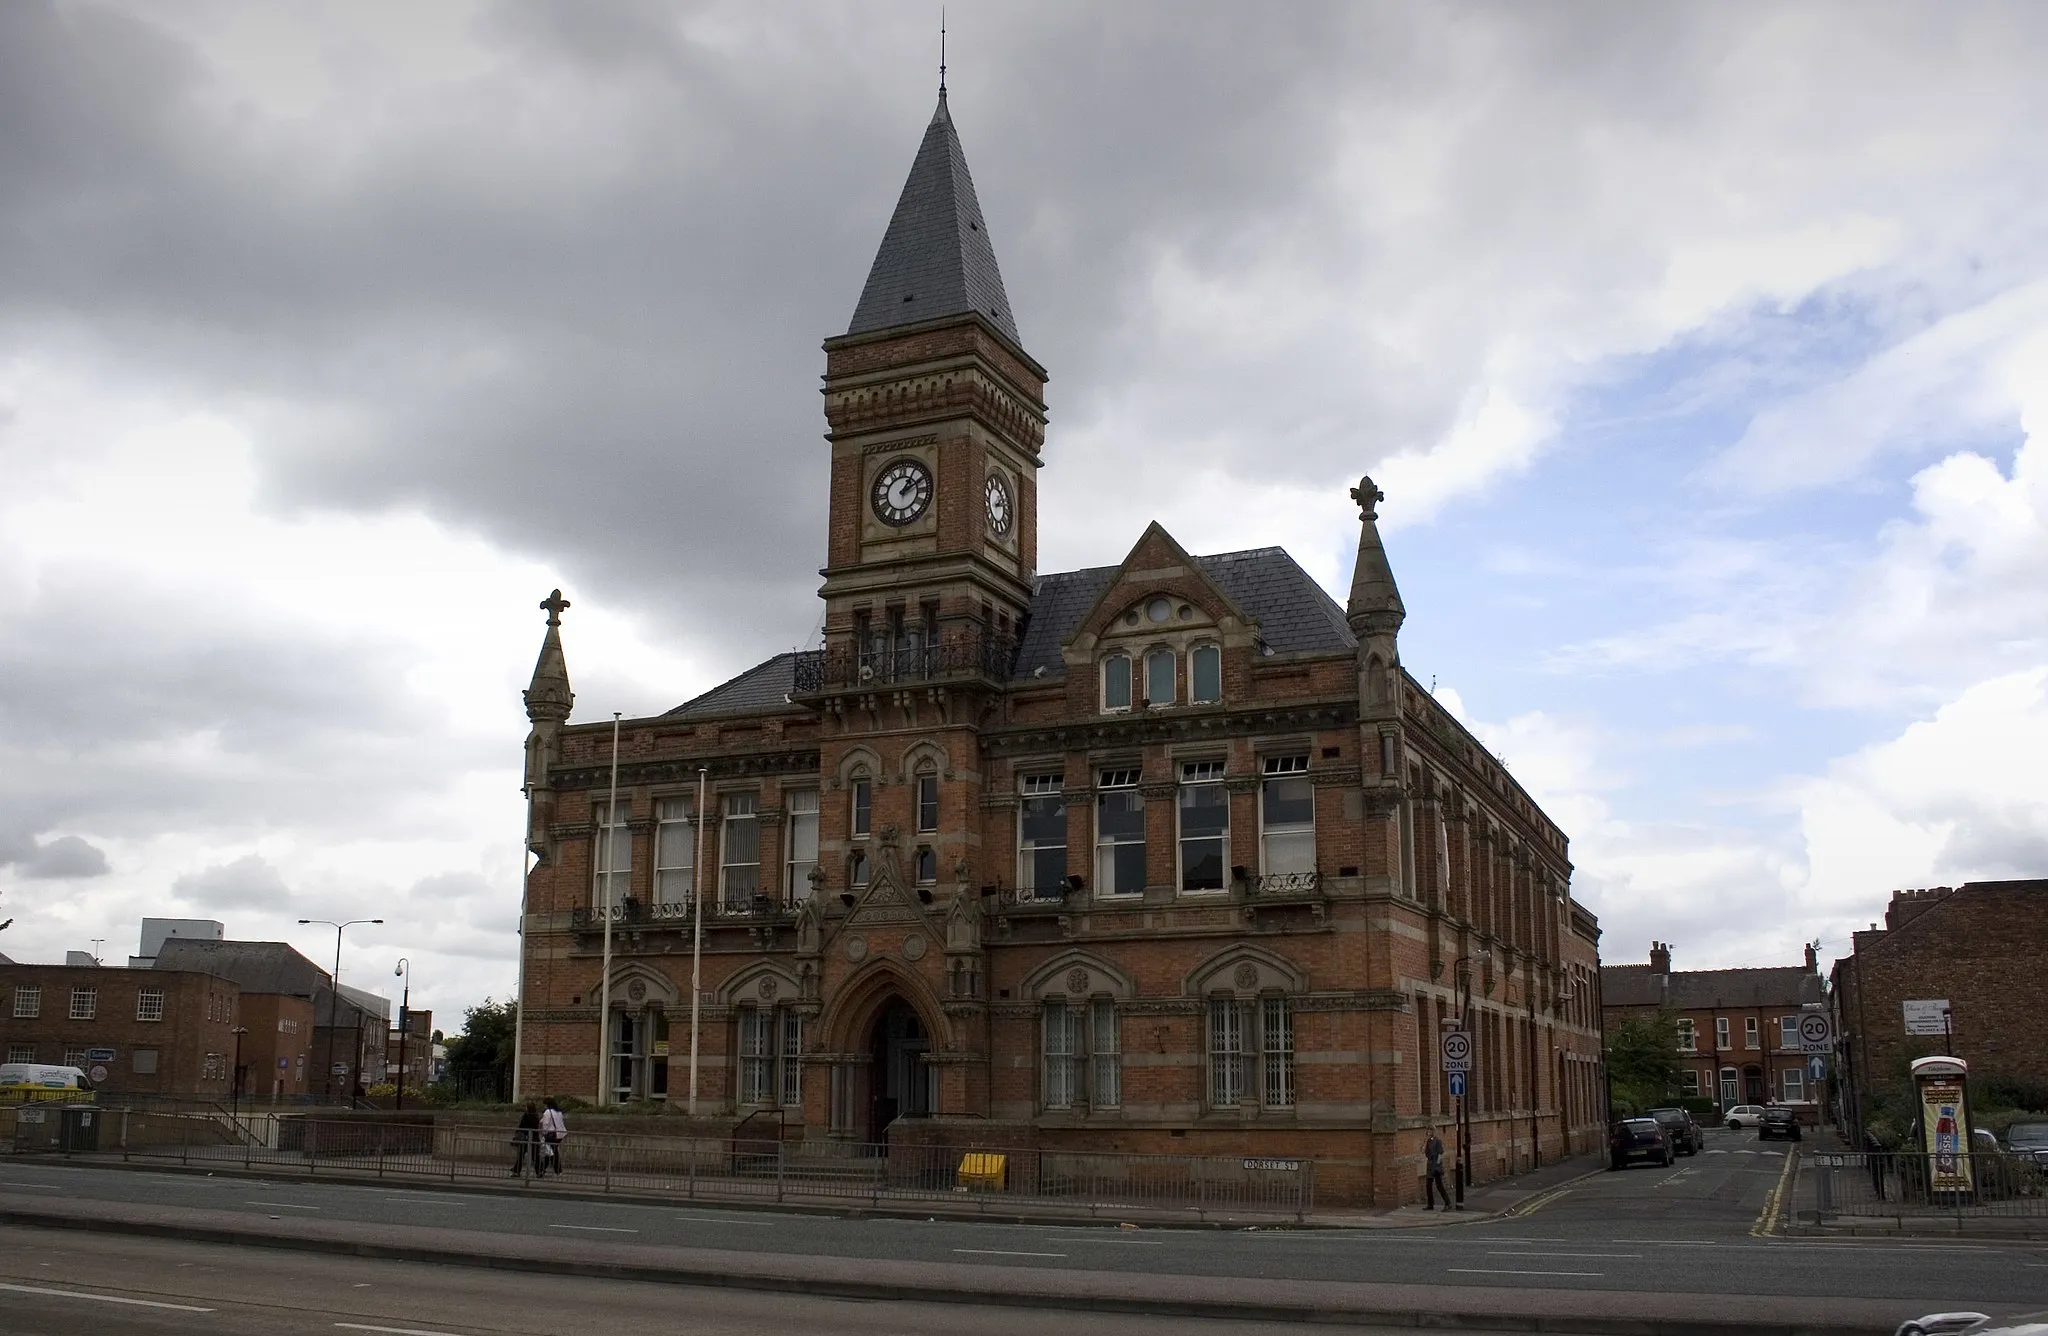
point(1170, 855)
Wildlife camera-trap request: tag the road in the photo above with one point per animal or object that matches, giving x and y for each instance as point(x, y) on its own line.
point(1683, 1230)
point(62, 1284)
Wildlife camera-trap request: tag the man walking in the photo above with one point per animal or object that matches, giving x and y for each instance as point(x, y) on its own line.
point(1433, 1150)
point(526, 1141)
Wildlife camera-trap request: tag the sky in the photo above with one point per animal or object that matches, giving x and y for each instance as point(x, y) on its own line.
point(1701, 353)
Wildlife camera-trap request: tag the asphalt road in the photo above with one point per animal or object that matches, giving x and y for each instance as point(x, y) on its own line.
point(1685, 1230)
point(58, 1283)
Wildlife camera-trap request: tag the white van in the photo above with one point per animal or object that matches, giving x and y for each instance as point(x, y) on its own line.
point(28, 1080)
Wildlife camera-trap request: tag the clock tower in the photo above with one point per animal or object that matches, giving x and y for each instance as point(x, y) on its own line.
point(936, 416)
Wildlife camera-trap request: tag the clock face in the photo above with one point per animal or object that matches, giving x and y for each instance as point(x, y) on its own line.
point(902, 491)
point(1001, 513)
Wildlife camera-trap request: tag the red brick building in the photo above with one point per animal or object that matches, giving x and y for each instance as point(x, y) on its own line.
point(1171, 855)
point(1980, 947)
point(1738, 1038)
point(171, 1032)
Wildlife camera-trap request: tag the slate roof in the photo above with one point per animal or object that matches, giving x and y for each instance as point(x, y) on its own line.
point(264, 967)
point(1293, 611)
point(1703, 990)
point(935, 259)
point(765, 686)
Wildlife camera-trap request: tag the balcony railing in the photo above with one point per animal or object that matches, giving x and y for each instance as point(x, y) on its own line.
point(638, 913)
point(1287, 885)
point(958, 654)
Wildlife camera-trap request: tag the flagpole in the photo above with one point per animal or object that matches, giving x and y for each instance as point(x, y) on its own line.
point(697, 938)
point(604, 987)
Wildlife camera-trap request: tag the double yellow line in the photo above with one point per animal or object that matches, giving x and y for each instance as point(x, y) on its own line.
point(1768, 1221)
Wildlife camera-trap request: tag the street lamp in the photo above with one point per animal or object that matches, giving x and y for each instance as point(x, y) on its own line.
point(235, 1096)
point(404, 968)
point(1463, 966)
point(334, 994)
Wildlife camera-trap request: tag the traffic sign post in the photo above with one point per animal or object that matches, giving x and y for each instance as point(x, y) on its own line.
point(1817, 1067)
point(1458, 1084)
point(1816, 1033)
point(1457, 1052)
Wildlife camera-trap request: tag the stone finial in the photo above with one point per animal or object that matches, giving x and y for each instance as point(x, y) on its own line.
point(554, 603)
point(1367, 496)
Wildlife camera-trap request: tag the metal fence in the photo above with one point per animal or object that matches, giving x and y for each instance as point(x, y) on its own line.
point(984, 1178)
point(1907, 1184)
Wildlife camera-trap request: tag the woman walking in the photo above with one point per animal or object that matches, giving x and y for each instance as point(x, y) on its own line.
point(526, 1141)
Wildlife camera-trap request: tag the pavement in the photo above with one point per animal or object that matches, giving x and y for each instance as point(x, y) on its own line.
point(1693, 1248)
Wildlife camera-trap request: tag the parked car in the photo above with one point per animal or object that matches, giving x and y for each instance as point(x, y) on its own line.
point(1778, 1121)
point(2029, 1141)
point(1687, 1138)
point(1744, 1115)
point(1634, 1139)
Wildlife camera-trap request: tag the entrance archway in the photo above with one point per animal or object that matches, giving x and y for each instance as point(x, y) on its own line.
point(901, 1082)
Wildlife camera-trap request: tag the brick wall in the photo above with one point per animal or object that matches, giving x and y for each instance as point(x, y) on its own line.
point(186, 1050)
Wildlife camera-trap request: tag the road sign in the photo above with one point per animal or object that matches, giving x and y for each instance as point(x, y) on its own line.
point(99, 1055)
point(1817, 1067)
point(1457, 1050)
point(1816, 1033)
point(98, 1074)
point(1927, 1016)
point(338, 1069)
point(1458, 1085)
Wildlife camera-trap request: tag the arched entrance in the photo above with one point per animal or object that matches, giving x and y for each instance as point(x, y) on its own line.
point(901, 1082)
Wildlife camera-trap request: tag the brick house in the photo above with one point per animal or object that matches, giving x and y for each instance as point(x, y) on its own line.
point(1171, 855)
point(1738, 1039)
point(347, 1031)
point(278, 1052)
point(171, 1031)
point(1979, 946)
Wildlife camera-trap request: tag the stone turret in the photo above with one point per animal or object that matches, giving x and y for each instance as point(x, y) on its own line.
point(1375, 614)
point(548, 701)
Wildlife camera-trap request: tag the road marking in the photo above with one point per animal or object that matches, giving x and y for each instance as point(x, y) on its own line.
point(1133, 1243)
point(1005, 1252)
point(283, 1204)
point(1496, 1271)
point(103, 1298)
point(597, 1229)
point(394, 1331)
point(433, 1201)
point(1562, 1254)
point(41, 1187)
point(1767, 1219)
point(727, 1220)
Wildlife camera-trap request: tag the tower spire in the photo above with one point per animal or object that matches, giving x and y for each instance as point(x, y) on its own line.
point(548, 697)
point(942, 51)
point(1375, 604)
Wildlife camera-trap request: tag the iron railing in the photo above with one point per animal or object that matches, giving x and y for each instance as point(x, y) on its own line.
point(754, 1168)
point(955, 654)
point(1287, 885)
point(1907, 1184)
point(632, 912)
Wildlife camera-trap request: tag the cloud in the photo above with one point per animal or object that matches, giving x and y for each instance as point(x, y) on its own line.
point(250, 882)
point(65, 858)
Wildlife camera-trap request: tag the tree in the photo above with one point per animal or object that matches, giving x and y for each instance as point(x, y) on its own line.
point(1642, 1061)
point(485, 1044)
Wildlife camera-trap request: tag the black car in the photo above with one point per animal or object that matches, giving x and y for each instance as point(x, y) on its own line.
point(1634, 1139)
point(1686, 1136)
point(2028, 1141)
point(1778, 1122)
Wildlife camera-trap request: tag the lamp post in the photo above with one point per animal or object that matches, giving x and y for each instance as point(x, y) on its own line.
point(334, 994)
point(404, 969)
point(235, 1091)
point(1463, 967)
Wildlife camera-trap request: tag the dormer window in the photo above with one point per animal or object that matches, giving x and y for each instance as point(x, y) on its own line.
point(1159, 684)
point(1116, 682)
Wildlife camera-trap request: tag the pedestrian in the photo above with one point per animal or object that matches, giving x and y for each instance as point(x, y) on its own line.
point(526, 1140)
point(1433, 1150)
point(554, 1130)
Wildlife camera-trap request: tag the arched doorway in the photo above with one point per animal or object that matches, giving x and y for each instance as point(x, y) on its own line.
point(901, 1082)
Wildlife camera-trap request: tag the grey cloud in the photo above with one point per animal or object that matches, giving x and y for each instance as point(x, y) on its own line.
point(65, 858)
point(249, 882)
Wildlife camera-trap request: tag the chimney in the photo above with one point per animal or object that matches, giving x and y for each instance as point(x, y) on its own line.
point(1660, 957)
point(1813, 957)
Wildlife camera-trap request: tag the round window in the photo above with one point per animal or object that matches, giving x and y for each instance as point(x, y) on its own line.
point(1158, 610)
